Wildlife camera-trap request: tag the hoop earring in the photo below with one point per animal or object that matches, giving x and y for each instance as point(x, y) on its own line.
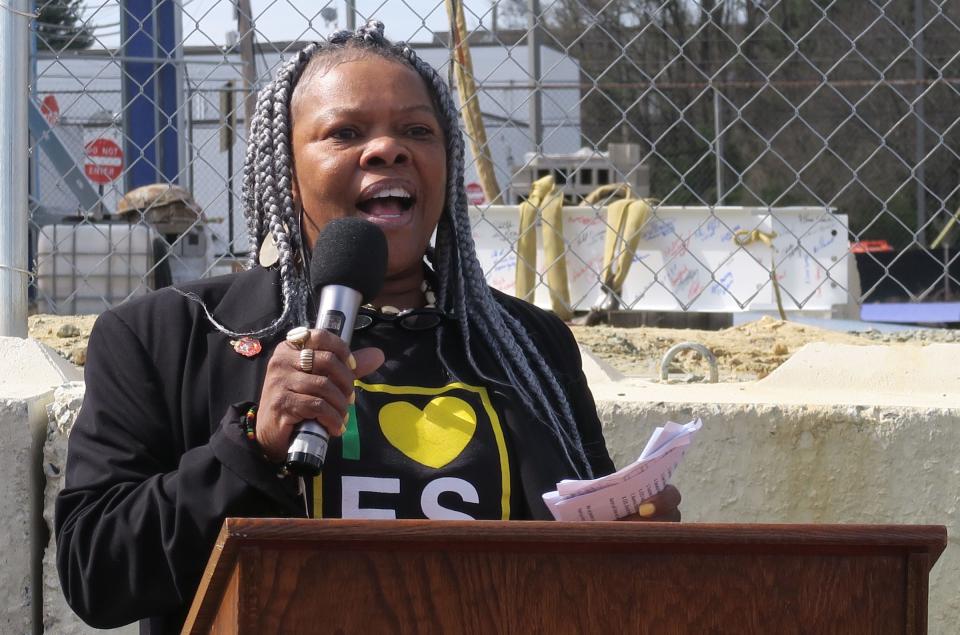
point(305, 251)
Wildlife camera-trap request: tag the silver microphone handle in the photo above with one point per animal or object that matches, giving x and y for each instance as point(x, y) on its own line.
point(337, 314)
point(338, 311)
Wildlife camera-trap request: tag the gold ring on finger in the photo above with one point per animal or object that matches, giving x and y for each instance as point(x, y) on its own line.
point(306, 360)
point(298, 336)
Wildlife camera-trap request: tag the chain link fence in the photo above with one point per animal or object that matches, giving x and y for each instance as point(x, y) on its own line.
point(800, 155)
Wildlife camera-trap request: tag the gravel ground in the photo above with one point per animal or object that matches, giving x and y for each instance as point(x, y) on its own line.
point(744, 353)
point(914, 336)
point(66, 334)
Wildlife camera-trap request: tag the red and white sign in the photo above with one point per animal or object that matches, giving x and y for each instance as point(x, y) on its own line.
point(50, 110)
point(103, 162)
point(475, 195)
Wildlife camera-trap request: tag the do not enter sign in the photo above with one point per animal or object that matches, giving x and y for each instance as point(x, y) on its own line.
point(104, 160)
point(475, 195)
point(50, 110)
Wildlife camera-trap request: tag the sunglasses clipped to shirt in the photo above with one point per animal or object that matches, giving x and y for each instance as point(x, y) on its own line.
point(422, 319)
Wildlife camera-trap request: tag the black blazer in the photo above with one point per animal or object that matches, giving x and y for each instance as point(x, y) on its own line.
point(156, 459)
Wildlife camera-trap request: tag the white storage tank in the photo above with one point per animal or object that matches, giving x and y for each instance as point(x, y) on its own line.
point(88, 267)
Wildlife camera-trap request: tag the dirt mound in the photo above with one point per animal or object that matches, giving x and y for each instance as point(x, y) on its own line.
point(746, 352)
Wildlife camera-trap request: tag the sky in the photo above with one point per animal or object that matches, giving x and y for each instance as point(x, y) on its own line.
point(207, 22)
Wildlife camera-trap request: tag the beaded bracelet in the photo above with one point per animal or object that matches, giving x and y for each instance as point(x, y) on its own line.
point(248, 422)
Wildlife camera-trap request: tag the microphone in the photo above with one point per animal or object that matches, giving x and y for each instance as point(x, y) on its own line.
point(347, 269)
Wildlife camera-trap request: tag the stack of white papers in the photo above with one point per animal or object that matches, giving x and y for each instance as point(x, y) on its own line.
point(621, 493)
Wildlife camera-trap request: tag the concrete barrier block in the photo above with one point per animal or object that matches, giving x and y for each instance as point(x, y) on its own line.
point(57, 615)
point(32, 369)
point(15, 521)
point(765, 463)
point(29, 371)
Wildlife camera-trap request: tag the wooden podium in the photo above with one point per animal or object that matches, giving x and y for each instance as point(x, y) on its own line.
point(371, 577)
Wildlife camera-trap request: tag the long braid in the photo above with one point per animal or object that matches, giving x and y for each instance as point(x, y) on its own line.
point(256, 148)
point(285, 224)
point(249, 192)
point(461, 285)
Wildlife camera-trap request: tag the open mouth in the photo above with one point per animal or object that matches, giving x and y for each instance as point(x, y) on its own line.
point(386, 202)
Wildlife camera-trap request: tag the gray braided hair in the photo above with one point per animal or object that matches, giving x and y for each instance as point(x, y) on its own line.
point(269, 208)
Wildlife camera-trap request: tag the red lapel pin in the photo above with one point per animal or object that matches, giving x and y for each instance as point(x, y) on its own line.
point(247, 346)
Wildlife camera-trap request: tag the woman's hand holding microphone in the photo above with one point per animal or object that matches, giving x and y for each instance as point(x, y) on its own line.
point(296, 390)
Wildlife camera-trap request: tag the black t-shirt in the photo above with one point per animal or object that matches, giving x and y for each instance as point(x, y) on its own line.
point(420, 443)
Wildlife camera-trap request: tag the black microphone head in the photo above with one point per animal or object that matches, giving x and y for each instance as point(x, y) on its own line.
point(350, 252)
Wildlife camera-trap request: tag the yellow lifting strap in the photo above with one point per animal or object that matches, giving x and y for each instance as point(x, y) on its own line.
point(625, 218)
point(744, 237)
point(470, 102)
point(605, 192)
point(545, 200)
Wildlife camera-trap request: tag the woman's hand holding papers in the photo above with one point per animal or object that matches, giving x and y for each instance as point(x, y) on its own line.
point(662, 507)
point(638, 491)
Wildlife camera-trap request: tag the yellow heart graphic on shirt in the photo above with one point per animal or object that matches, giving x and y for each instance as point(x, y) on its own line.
point(433, 436)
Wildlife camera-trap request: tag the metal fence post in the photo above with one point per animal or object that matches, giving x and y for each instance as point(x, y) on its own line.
point(533, 55)
point(920, 195)
point(718, 144)
point(14, 60)
point(351, 15)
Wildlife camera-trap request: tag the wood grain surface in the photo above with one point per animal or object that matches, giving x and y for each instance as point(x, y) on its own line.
point(530, 577)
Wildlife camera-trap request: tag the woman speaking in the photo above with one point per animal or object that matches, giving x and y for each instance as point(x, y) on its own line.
point(454, 401)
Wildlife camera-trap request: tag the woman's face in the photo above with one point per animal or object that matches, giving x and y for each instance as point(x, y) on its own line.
point(367, 143)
